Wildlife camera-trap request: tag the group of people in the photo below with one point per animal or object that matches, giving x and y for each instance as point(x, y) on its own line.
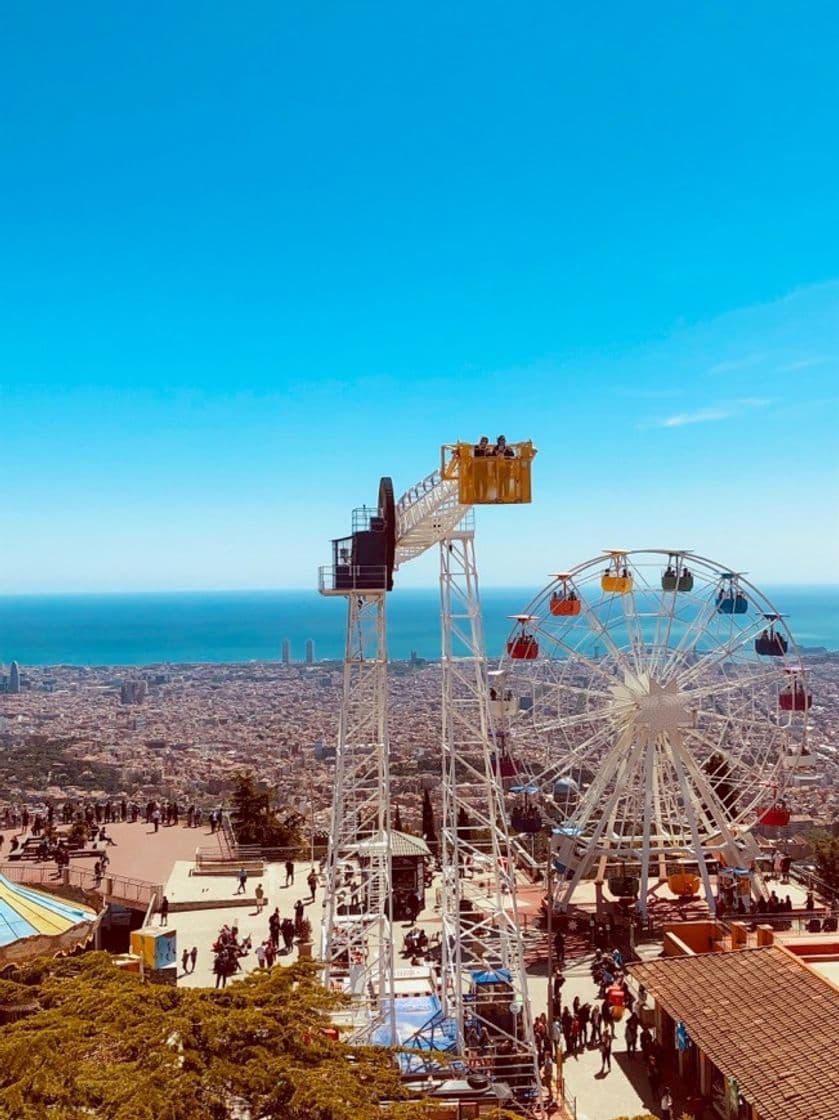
point(588, 1024)
point(483, 449)
point(228, 951)
point(95, 813)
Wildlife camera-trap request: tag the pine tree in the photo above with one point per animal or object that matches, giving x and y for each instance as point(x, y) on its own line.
point(97, 1041)
point(429, 832)
point(255, 818)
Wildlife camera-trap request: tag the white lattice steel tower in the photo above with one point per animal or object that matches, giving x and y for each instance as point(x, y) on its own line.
point(482, 984)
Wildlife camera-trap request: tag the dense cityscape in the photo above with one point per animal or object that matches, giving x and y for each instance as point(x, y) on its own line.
point(182, 731)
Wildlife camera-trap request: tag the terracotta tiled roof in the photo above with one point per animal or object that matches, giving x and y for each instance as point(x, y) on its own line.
point(761, 1017)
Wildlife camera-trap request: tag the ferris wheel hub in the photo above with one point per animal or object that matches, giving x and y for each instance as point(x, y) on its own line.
point(646, 708)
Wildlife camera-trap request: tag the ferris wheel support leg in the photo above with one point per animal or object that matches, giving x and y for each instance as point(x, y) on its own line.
point(358, 940)
point(694, 831)
point(480, 924)
point(591, 848)
point(649, 782)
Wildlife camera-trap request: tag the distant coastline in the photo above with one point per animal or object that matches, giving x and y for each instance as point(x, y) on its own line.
point(160, 628)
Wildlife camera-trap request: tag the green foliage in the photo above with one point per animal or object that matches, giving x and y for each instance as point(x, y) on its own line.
point(256, 820)
point(429, 831)
point(104, 1044)
point(826, 852)
point(719, 772)
point(79, 833)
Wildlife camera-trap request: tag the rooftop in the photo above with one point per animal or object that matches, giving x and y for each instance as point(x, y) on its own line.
point(762, 1017)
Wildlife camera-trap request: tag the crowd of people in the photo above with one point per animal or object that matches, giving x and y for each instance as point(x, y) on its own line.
point(229, 948)
point(36, 821)
point(593, 1024)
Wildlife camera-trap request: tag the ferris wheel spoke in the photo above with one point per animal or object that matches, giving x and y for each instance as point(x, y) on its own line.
point(602, 632)
point(620, 762)
point(576, 755)
point(576, 656)
point(577, 719)
point(691, 812)
point(739, 773)
point(710, 799)
point(724, 651)
point(725, 685)
point(698, 626)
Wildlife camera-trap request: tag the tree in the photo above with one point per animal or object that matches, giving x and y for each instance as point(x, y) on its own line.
point(97, 1041)
point(429, 832)
point(256, 820)
point(826, 852)
point(719, 772)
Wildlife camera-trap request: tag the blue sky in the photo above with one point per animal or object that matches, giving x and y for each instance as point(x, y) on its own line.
point(255, 256)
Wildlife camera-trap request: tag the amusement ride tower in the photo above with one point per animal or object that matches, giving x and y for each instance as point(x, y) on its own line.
point(482, 985)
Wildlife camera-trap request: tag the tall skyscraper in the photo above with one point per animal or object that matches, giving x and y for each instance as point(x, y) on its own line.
point(310, 651)
point(286, 651)
point(14, 677)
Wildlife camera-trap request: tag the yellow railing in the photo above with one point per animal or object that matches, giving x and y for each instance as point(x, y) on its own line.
point(494, 479)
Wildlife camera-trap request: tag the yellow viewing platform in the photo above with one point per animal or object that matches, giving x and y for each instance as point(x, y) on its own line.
point(489, 474)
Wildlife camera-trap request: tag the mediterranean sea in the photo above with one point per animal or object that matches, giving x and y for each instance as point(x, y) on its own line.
point(234, 626)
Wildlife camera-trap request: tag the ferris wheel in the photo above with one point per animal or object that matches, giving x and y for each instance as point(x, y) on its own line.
point(646, 703)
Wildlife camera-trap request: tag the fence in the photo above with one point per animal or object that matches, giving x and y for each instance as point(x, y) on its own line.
point(116, 888)
point(569, 1101)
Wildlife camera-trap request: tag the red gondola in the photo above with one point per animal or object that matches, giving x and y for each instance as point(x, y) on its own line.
point(776, 816)
point(795, 699)
point(507, 766)
point(523, 646)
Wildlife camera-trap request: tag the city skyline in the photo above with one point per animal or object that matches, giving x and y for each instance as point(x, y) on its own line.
point(229, 307)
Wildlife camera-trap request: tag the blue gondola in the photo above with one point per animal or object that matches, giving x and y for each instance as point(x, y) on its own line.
point(728, 603)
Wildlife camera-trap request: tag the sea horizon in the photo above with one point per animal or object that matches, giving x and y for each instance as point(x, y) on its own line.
point(137, 628)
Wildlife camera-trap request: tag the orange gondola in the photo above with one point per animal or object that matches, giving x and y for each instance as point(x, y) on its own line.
point(683, 883)
point(565, 600)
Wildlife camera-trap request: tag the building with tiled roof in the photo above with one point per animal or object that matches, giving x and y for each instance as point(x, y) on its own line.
point(755, 1029)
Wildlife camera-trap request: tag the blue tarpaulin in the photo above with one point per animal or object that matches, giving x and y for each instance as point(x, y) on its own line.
point(492, 976)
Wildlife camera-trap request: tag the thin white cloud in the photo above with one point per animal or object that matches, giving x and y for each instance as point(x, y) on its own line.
point(755, 402)
point(735, 364)
point(701, 416)
point(713, 414)
point(802, 363)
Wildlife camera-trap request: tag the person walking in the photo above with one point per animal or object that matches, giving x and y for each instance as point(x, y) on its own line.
point(243, 881)
point(155, 819)
point(287, 930)
point(666, 1104)
point(289, 873)
point(164, 911)
point(193, 957)
point(185, 961)
point(312, 880)
point(556, 1038)
point(274, 927)
point(260, 897)
point(606, 1053)
point(298, 916)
